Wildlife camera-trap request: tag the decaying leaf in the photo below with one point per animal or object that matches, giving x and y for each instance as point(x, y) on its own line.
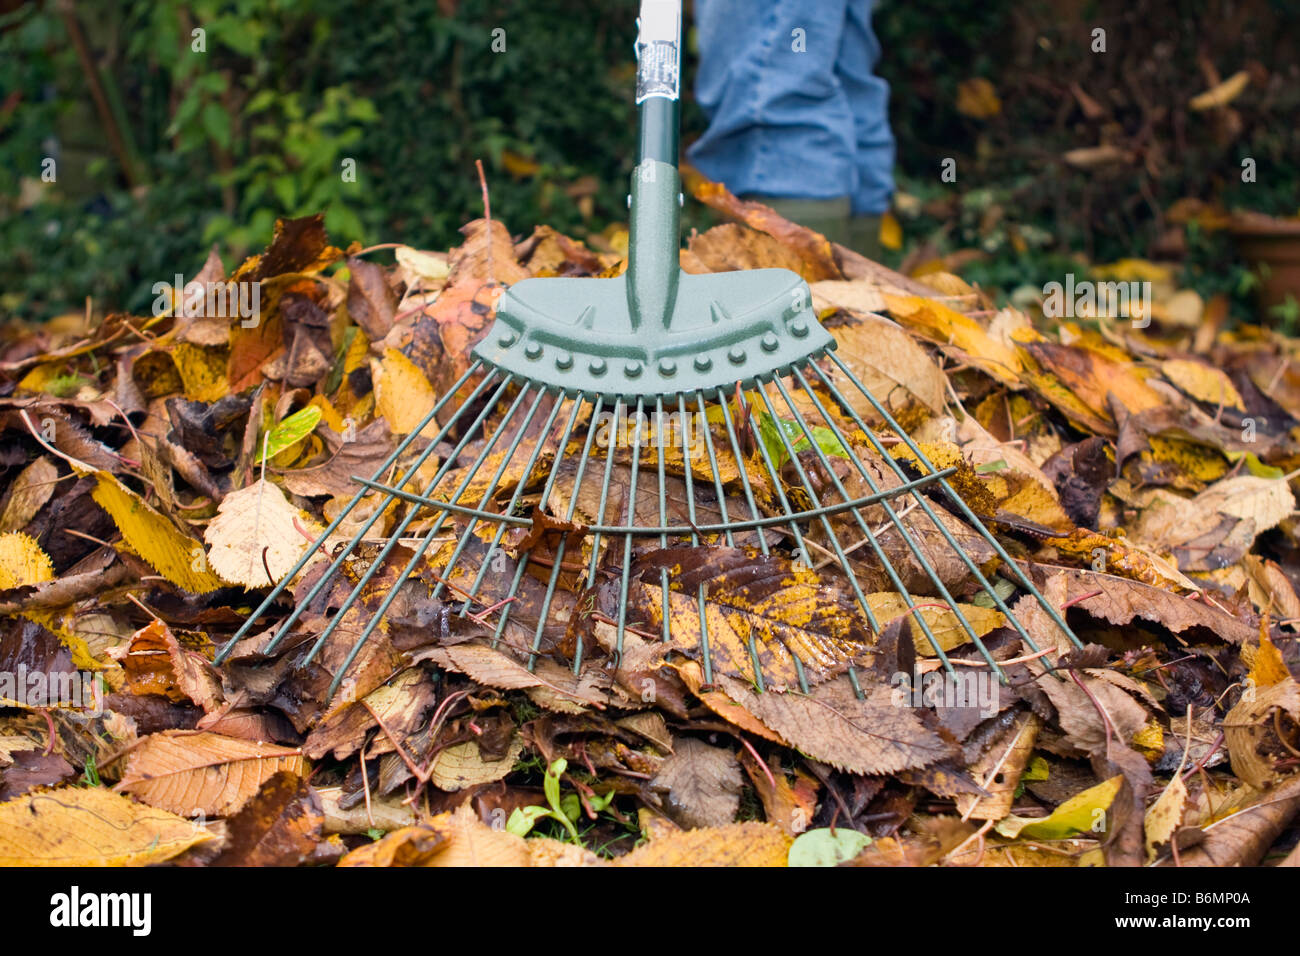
point(701, 784)
point(1259, 729)
point(464, 765)
point(754, 605)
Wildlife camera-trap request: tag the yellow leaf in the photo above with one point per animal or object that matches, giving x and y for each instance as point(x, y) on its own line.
point(431, 268)
point(891, 231)
point(175, 556)
point(520, 167)
point(977, 99)
point(22, 561)
point(463, 765)
point(403, 396)
point(1268, 667)
point(202, 372)
point(90, 827)
point(1266, 501)
point(1222, 94)
point(949, 327)
point(1203, 382)
point(1080, 814)
point(471, 842)
point(739, 844)
point(1164, 816)
point(943, 624)
point(1132, 270)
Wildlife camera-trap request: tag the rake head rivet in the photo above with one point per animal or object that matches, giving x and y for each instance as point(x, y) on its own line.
point(736, 355)
point(799, 328)
point(564, 361)
point(632, 369)
point(533, 350)
point(703, 363)
point(597, 366)
point(667, 367)
point(769, 342)
point(506, 340)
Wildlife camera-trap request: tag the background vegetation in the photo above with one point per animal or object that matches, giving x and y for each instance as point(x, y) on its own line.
point(180, 149)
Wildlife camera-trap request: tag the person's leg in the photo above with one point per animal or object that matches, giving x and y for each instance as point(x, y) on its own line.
point(780, 122)
point(868, 97)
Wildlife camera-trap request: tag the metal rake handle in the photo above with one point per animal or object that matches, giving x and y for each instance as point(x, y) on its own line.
point(654, 235)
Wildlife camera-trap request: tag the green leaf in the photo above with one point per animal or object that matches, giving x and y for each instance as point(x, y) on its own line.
point(216, 123)
point(523, 819)
point(292, 430)
point(1254, 465)
point(770, 429)
point(826, 848)
point(551, 784)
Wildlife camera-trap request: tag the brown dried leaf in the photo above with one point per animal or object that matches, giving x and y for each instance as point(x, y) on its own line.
point(463, 766)
point(281, 826)
point(155, 663)
point(701, 784)
point(371, 302)
point(207, 773)
point(871, 736)
point(28, 493)
point(1251, 730)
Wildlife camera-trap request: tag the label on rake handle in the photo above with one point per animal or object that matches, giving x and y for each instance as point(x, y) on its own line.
point(658, 61)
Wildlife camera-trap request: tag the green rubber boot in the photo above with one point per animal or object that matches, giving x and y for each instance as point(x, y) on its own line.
point(830, 217)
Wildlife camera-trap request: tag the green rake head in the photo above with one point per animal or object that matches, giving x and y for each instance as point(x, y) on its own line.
point(567, 356)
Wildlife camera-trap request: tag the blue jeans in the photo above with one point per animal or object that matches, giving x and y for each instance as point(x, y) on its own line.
point(804, 125)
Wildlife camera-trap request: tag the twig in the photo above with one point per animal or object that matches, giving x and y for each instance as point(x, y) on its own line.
point(487, 216)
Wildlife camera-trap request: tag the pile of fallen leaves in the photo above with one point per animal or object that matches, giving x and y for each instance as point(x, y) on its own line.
point(162, 473)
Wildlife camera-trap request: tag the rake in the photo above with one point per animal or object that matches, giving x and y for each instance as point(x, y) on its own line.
point(746, 431)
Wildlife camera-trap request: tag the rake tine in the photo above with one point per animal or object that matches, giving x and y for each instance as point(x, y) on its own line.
point(429, 537)
point(604, 498)
point(774, 473)
point(794, 528)
point(631, 520)
point(492, 485)
point(356, 499)
point(740, 467)
point(692, 520)
point(971, 518)
point(713, 463)
point(559, 552)
point(830, 533)
point(391, 596)
point(894, 519)
point(395, 537)
point(661, 453)
point(472, 592)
